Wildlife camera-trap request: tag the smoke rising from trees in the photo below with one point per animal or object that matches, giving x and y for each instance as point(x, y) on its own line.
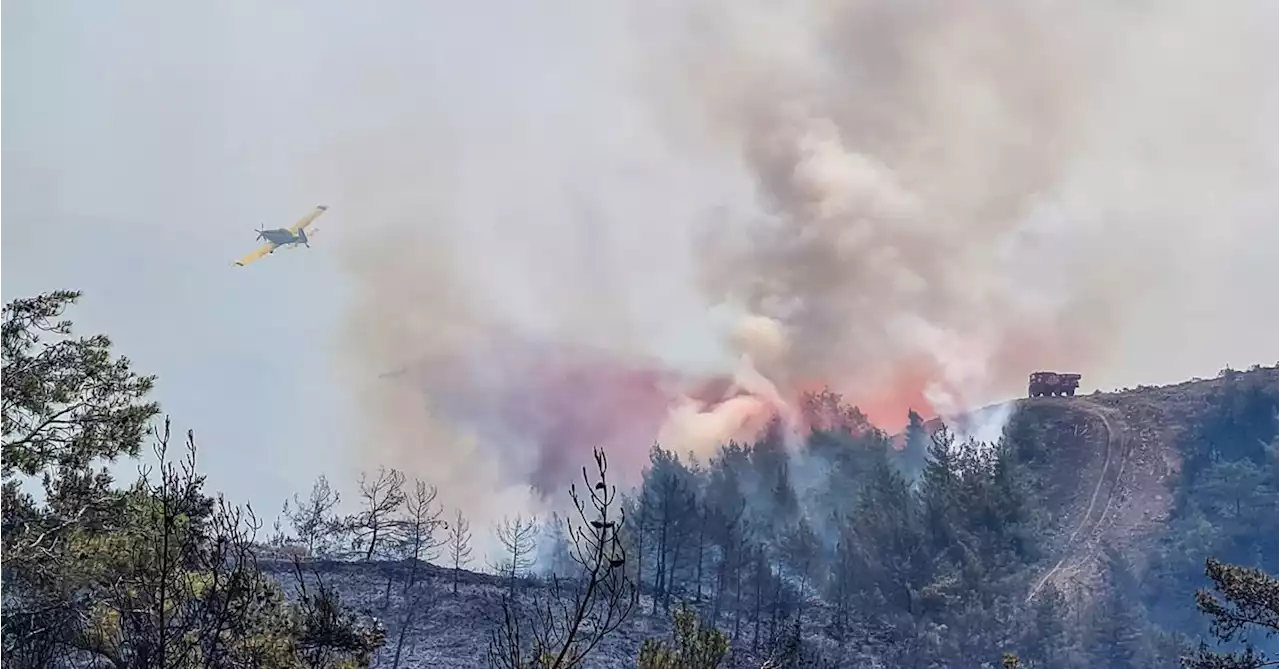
point(666, 219)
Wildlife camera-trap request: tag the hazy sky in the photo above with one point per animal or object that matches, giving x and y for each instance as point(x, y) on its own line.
point(540, 172)
point(145, 144)
point(147, 140)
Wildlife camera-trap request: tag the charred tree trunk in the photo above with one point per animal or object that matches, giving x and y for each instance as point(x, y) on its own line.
point(640, 530)
point(659, 572)
point(737, 590)
point(702, 534)
point(722, 584)
point(760, 568)
point(671, 574)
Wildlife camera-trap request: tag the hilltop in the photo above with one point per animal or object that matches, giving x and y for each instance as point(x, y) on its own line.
point(1117, 460)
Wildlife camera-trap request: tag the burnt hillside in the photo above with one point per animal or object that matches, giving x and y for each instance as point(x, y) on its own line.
point(449, 629)
point(1077, 541)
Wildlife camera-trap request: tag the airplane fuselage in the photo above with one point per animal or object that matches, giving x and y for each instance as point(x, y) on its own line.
point(277, 238)
point(281, 237)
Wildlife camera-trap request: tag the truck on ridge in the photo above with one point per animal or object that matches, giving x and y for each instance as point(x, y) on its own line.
point(1050, 384)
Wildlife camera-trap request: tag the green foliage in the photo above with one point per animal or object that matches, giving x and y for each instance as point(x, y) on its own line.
point(327, 634)
point(1050, 639)
point(1225, 500)
point(1118, 636)
point(1244, 606)
point(915, 451)
point(693, 645)
point(158, 574)
point(67, 405)
point(66, 402)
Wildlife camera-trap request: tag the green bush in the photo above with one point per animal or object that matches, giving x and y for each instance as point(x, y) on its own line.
point(692, 646)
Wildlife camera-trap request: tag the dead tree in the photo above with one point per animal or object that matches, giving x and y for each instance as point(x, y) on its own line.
point(412, 534)
point(415, 531)
point(459, 546)
point(517, 537)
point(416, 540)
point(556, 547)
point(313, 520)
point(380, 498)
point(566, 623)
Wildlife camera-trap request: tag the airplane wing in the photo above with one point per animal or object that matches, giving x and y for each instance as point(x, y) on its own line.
point(267, 248)
point(306, 220)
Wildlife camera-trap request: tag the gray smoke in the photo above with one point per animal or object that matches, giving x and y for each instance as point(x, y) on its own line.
point(915, 203)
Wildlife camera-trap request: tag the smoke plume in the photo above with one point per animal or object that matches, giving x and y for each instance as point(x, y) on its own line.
point(664, 223)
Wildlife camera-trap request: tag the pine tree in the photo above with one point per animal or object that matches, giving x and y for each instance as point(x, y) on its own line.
point(915, 449)
point(1119, 624)
point(1048, 640)
point(886, 537)
point(1243, 606)
point(940, 489)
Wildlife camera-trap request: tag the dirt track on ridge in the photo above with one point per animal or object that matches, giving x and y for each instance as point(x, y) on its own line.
point(1081, 544)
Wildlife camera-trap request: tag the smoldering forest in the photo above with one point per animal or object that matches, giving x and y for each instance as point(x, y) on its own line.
point(786, 266)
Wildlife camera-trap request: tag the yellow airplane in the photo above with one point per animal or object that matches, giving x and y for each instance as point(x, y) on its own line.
point(283, 236)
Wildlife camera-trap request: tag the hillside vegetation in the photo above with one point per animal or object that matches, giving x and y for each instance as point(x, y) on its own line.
point(1081, 539)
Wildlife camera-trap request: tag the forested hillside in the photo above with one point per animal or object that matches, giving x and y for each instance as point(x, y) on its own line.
point(1078, 540)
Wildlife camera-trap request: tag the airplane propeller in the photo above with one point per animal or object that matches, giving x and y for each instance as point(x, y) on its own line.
point(260, 232)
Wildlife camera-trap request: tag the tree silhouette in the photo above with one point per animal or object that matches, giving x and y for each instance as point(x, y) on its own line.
point(459, 545)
